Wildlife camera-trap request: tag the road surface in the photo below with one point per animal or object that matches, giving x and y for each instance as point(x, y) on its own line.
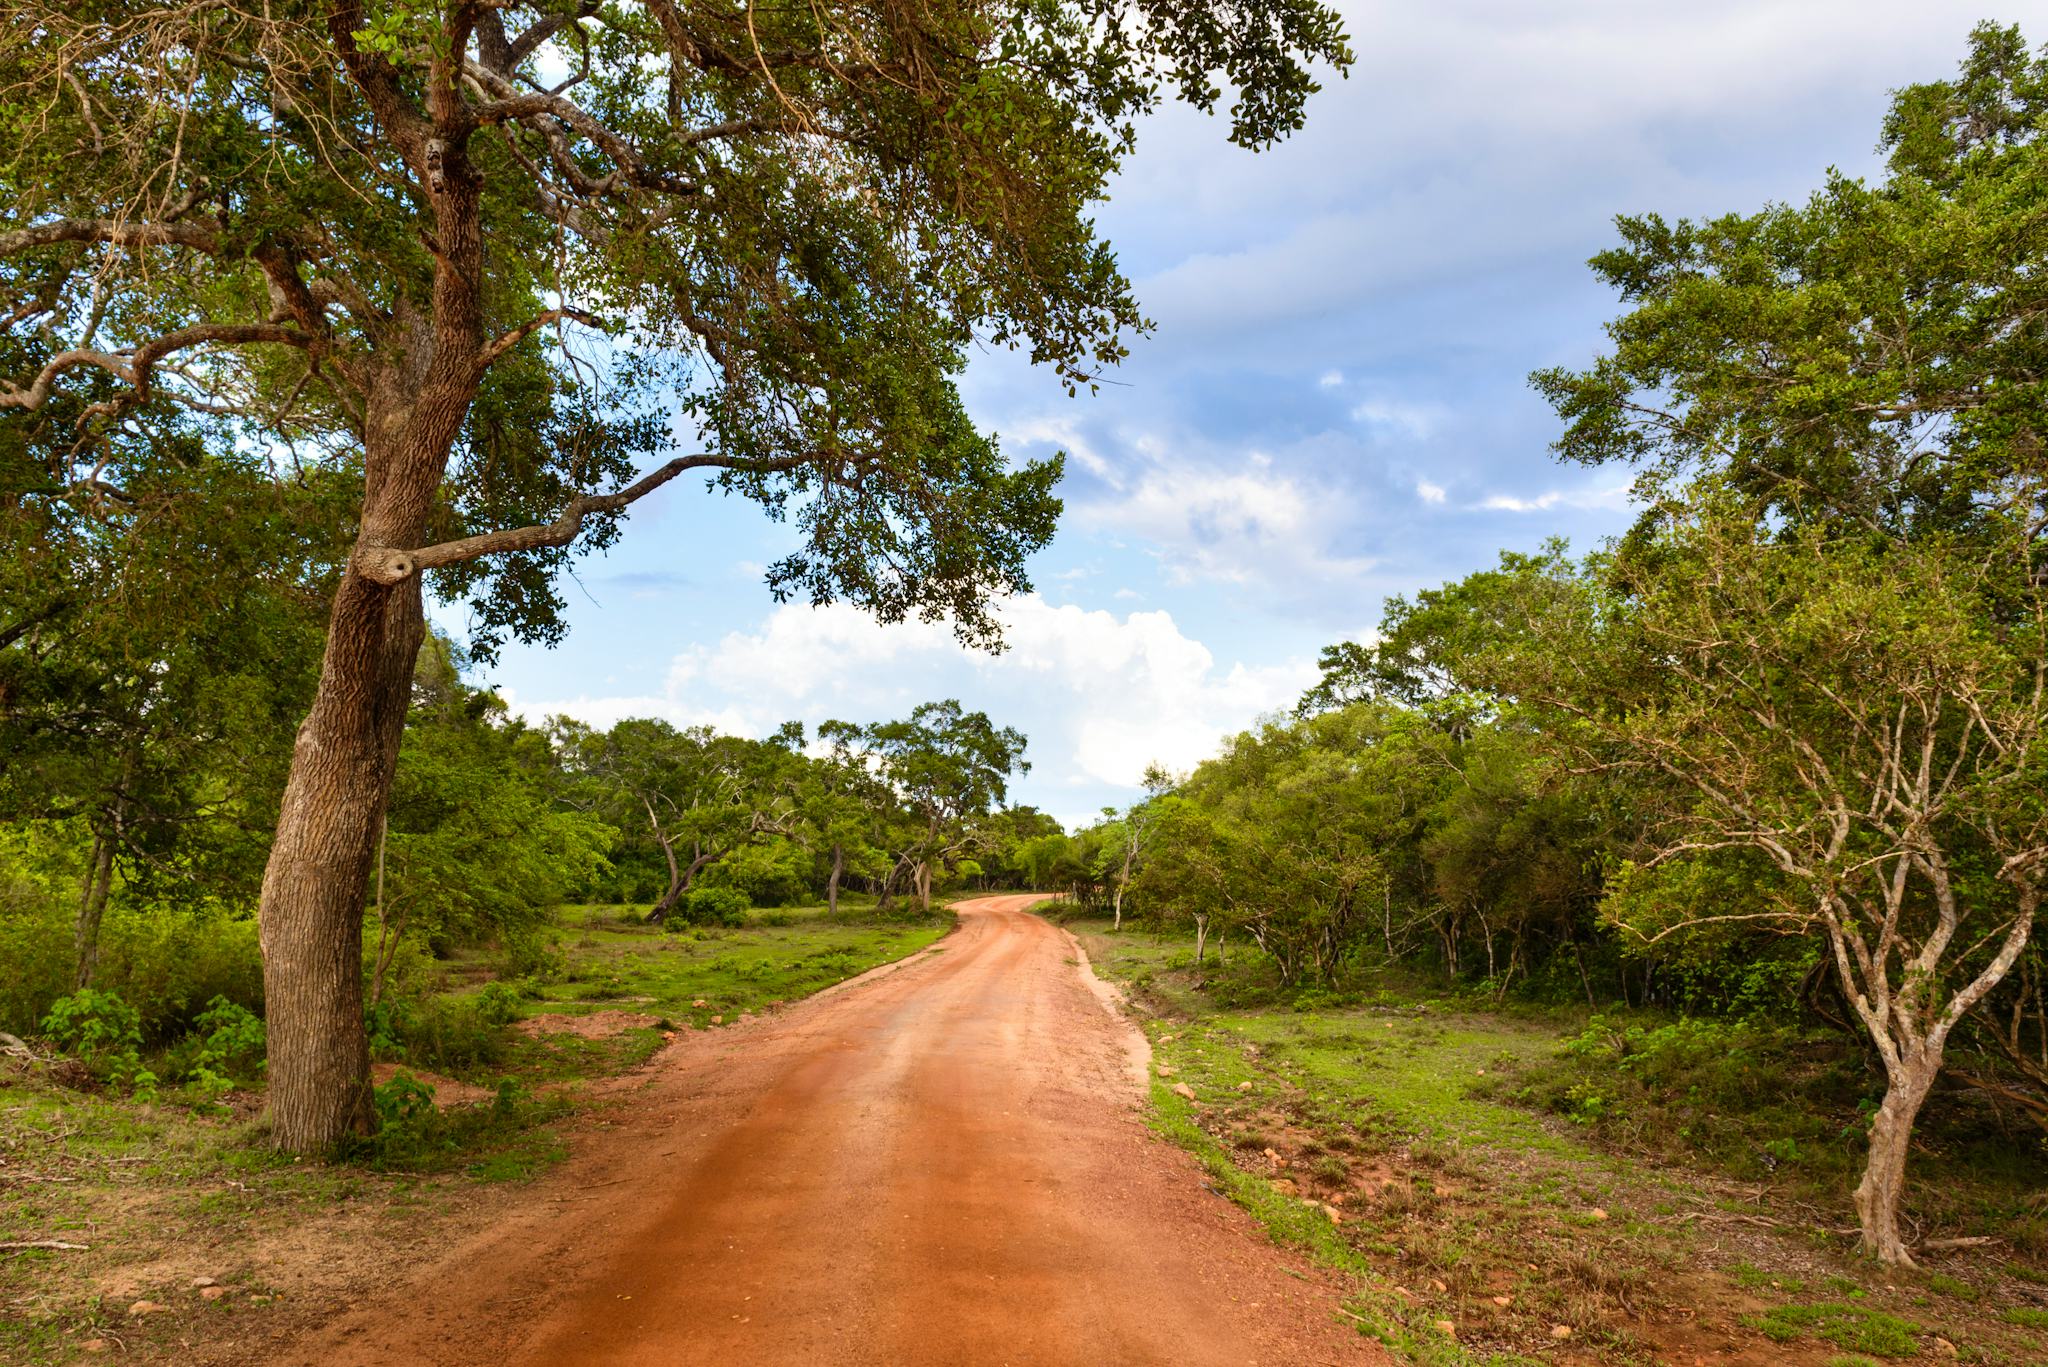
point(942, 1162)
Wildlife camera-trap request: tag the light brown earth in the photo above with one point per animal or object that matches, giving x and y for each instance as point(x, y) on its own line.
point(939, 1163)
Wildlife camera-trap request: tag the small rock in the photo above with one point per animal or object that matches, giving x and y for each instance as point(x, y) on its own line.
point(1447, 1329)
point(1480, 1071)
point(1437, 1285)
point(1183, 1090)
point(1276, 1158)
point(94, 1345)
point(1285, 1187)
point(1503, 1301)
point(1165, 1070)
point(718, 1020)
point(1166, 1039)
point(1597, 1213)
point(668, 1035)
point(1336, 1216)
point(212, 1293)
point(1944, 1348)
point(1560, 1331)
point(1245, 1086)
point(141, 1308)
point(699, 1003)
point(204, 1281)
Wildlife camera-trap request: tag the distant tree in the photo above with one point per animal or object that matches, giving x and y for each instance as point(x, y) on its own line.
point(698, 795)
point(494, 257)
point(948, 767)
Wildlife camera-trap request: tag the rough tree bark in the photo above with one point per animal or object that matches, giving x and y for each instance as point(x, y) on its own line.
point(832, 884)
point(347, 749)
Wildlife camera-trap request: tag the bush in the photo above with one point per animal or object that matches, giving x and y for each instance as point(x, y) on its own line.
point(172, 960)
point(448, 1034)
point(105, 1034)
point(710, 907)
point(414, 1134)
point(228, 1044)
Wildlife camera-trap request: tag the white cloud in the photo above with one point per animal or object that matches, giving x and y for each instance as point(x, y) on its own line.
point(1610, 496)
point(1253, 524)
point(1403, 419)
point(1331, 379)
point(1429, 493)
point(1100, 695)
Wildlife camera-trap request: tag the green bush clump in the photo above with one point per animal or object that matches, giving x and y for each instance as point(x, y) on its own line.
point(105, 1034)
point(1753, 1097)
point(228, 1044)
point(448, 1034)
point(710, 906)
point(414, 1134)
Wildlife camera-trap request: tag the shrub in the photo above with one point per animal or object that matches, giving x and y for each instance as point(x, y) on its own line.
point(105, 1034)
point(447, 1034)
point(711, 906)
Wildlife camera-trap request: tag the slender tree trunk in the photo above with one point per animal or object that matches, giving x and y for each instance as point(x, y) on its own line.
point(832, 884)
point(924, 887)
point(312, 909)
point(92, 905)
point(1880, 1193)
point(1201, 938)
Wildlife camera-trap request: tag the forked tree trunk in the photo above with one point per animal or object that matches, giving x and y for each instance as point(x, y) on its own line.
point(1879, 1194)
point(312, 911)
point(832, 884)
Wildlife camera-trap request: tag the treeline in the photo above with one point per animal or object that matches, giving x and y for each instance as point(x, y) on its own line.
point(131, 855)
point(1780, 749)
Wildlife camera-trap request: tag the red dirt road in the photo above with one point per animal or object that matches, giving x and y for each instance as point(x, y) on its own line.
point(939, 1163)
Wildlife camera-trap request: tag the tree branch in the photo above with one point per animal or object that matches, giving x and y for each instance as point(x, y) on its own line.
point(387, 565)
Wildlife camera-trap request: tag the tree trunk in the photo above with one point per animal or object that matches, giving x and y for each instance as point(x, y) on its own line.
point(92, 905)
point(832, 884)
point(312, 908)
point(924, 887)
point(1879, 1194)
point(1201, 939)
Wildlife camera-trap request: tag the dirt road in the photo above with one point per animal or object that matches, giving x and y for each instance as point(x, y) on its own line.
point(942, 1162)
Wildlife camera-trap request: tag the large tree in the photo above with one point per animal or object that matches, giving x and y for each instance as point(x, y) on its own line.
point(1827, 631)
point(502, 257)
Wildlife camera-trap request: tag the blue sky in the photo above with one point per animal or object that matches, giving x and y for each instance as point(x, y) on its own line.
point(1334, 407)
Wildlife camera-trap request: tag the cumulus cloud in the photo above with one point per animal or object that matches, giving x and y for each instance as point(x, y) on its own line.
point(1100, 695)
point(1256, 523)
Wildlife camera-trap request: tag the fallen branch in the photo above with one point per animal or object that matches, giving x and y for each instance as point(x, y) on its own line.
point(18, 1245)
point(1944, 1245)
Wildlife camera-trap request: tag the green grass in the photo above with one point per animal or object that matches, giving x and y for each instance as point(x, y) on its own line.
point(2027, 1317)
point(1856, 1327)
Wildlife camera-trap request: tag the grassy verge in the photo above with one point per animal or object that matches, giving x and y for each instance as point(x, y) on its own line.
point(1376, 1133)
point(162, 1195)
